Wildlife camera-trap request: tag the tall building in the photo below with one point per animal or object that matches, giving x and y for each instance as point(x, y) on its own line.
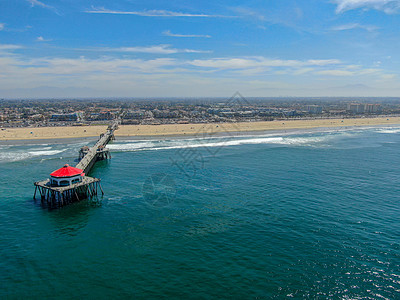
point(355, 108)
point(363, 108)
point(372, 108)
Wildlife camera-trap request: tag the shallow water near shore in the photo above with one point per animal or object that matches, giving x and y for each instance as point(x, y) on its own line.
point(299, 214)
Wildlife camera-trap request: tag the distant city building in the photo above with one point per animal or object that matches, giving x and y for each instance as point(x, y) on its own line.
point(226, 113)
point(355, 108)
point(37, 117)
point(66, 117)
point(165, 113)
point(363, 108)
point(314, 109)
point(247, 113)
point(101, 116)
point(106, 115)
point(372, 108)
point(267, 111)
point(135, 114)
point(287, 113)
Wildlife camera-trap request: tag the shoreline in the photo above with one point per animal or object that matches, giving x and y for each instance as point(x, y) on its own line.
point(184, 130)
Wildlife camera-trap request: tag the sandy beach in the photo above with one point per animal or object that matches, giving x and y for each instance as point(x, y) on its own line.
point(186, 129)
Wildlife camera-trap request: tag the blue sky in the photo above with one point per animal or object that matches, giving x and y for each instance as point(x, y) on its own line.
point(135, 48)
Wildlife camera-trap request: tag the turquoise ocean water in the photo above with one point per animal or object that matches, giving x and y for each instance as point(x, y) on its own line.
point(274, 215)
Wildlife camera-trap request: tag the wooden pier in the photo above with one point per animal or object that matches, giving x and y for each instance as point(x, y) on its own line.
point(55, 196)
point(98, 151)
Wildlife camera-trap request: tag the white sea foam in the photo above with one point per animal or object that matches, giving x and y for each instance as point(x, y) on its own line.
point(45, 152)
point(220, 142)
point(131, 146)
point(389, 130)
point(11, 156)
point(40, 149)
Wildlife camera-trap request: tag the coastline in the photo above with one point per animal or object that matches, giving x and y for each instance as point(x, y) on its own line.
point(168, 130)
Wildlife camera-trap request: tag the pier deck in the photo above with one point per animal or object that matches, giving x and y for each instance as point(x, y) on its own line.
point(93, 153)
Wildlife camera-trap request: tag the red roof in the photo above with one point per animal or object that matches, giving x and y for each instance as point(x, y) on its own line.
point(66, 171)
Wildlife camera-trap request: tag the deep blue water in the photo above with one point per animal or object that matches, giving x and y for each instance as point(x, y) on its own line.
point(302, 215)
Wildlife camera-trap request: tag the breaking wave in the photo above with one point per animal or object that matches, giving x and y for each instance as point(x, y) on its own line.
point(219, 142)
point(18, 155)
point(389, 130)
point(45, 152)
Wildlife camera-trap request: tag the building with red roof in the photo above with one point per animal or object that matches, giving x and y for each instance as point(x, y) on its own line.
point(66, 175)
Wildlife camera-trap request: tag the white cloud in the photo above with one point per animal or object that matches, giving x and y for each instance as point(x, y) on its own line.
point(39, 69)
point(42, 39)
point(291, 16)
point(169, 33)
point(157, 49)
point(251, 13)
point(3, 27)
point(160, 49)
point(347, 72)
point(388, 6)
point(322, 62)
point(369, 71)
point(353, 67)
point(43, 5)
point(8, 47)
point(351, 26)
point(37, 3)
point(151, 13)
point(388, 76)
point(335, 73)
point(255, 62)
point(303, 71)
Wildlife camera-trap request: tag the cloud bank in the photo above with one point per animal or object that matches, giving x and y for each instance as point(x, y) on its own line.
point(169, 33)
point(151, 13)
point(388, 6)
point(352, 26)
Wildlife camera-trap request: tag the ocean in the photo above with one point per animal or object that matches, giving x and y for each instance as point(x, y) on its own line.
point(301, 214)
